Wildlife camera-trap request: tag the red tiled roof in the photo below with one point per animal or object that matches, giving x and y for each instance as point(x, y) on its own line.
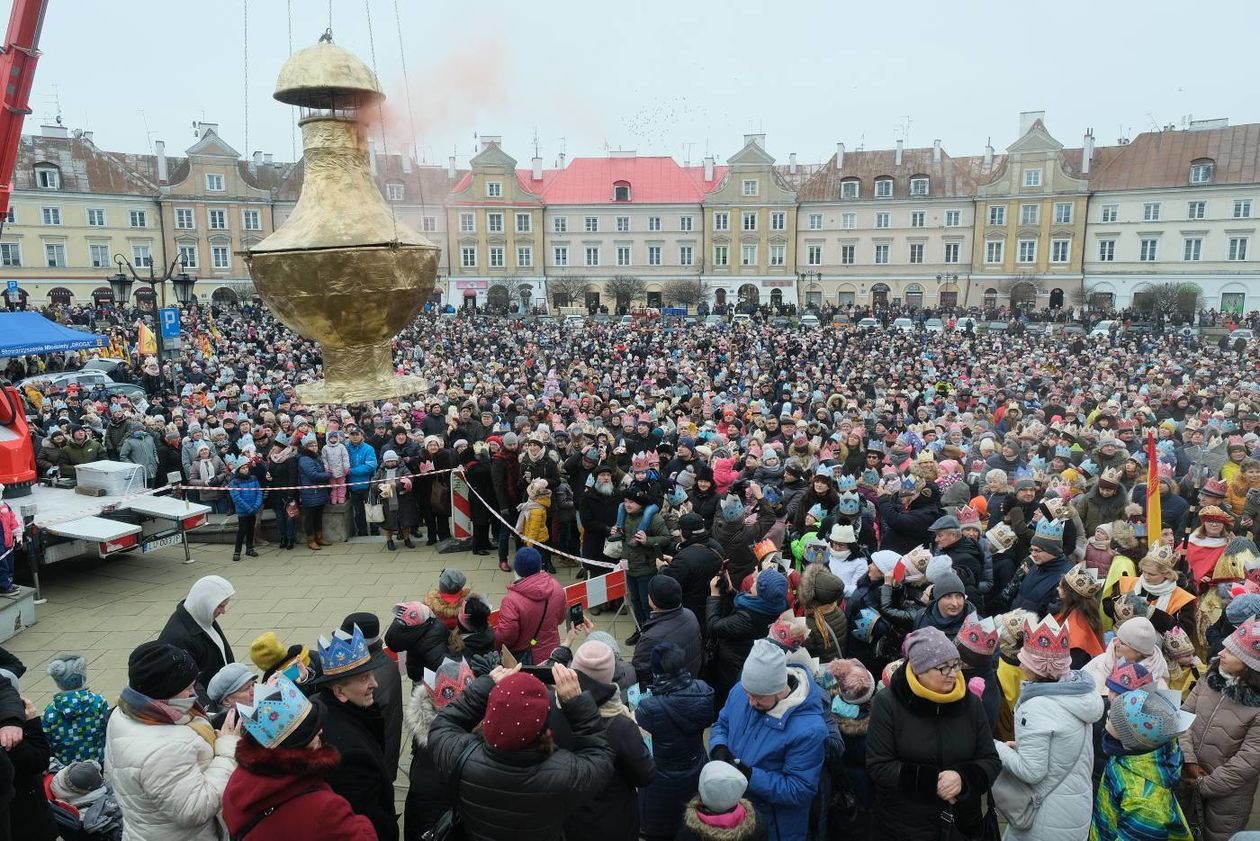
point(652, 180)
point(949, 176)
point(696, 173)
point(1163, 158)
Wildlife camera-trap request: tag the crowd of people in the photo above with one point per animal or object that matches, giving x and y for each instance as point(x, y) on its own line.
point(883, 585)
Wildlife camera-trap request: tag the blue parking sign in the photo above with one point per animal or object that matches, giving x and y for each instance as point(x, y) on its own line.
point(12, 286)
point(170, 322)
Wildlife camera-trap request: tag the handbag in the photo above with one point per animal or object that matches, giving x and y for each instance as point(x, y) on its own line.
point(440, 497)
point(526, 657)
point(446, 827)
point(613, 548)
point(1018, 801)
point(374, 512)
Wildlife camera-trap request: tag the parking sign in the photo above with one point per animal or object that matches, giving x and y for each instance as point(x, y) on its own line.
point(13, 287)
point(170, 322)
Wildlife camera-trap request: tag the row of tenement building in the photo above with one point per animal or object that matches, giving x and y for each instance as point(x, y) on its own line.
point(1040, 225)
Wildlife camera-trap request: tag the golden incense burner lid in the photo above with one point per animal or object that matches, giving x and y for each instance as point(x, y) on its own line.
point(326, 77)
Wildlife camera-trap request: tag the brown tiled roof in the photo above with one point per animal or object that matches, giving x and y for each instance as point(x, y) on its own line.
point(1162, 158)
point(947, 178)
point(431, 182)
point(84, 168)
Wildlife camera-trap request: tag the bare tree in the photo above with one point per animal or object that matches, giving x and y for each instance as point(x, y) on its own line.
point(571, 289)
point(626, 289)
point(1168, 298)
point(681, 291)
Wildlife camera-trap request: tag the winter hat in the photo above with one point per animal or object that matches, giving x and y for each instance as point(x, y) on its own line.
point(665, 592)
point(1146, 720)
point(451, 584)
point(607, 639)
point(947, 583)
point(1241, 608)
point(927, 648)
point(828, 588)
point(1126, 676)
point(721, 786)
point(1139, 634)
point(885, 560)
point(692, 524)
point(369, 625)
point(389, 455)
point(160, 670)
point(412, 614)
point(77, 780)
point(266, 652)
point(1244, 644)
point(938, 566)
point(231, 678)
point(527, 561)
point(853, 683)
point(511, 439)
point(596, 661)
point(668, 660)
point(516, 712)
point(765, 670)
point(772, 588)
point(68, 671)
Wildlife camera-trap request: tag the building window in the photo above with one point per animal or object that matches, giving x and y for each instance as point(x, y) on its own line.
point(252, 220)
point(560, 225)
point(1106, 250)
point(524, 223)
point(721, 255)
point(1110, 212)
point(1201, 172)
point(560, 255)
point(621, 191)
point(749, 220)
point(395, 191)
point(47, 178)
point(918, 186)
point(778, 254)
point(778, 221)
point(993, 251)
point(654, 223)
point(918, 219)
point(592, 224)
point(494, 223)
point(623, 255)
point(52, 215)
point(592, 255)
point(748, 255)
point(98, 256)
point(654, 255)
point(494, 257)
point(1242, 208)
point(428, 224)
point(1148, 250)
point(1032, 178)
point(494, 189)
point(916, 252)
point(815, 221)
point(184, 218)
point(750, 187)
point(524, 257)
point(54, 254)
point(881, 254)
point(1150, 211)
point(188, 256)
point(883, 188)
point(468, 224)
point(850, 189)
point(218, 220)
point(468, 257)
point(1027, 251)
point(220, 257)
point(141, 256)
point(10, 254)
point(1063, 213)
point(722, 221)
point(1029, 214)
point(623, 224)
point(1196, 210)
point(997, 214)
point(813, 255)
point(883, 219)
point(685, 223)
point(96, 217)
point(1238, 248)
point(848, 255)
point(214, 182)
point(686, 256)
point(1060, 250)
point(951, 252)
point(953, 218)
point(1193, 251)
point(140, 218)
point(848, 221)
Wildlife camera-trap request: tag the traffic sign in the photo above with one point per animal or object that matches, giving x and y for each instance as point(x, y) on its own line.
point(170, 322)
point(13, 286)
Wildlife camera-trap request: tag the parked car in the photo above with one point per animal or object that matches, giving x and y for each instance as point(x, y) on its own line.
point(1073, 330)
point(868, 324)
point(1036, 328)
point(714, 320)
point(627, 319)
point(573, 321)
point(966, 321)
point(741, 318)
point(809, 321)
point(1242, 333)
point(903, 325)
point(1103, 328)
point(934, 325)
point(102, 364)
point(780, 321)
point(61, 380)
point(601, 318)
point(997, 326)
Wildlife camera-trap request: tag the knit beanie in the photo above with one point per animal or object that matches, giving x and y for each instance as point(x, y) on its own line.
point(1244, 644)
point(927, 648)
point(451, 583)
point(854, 684)
point(721, 786)
point(1139, 634)
point(765, 670)
point(665, 592)
point(596, 661)
point(516, 712)
point(828, 588)
point(527, 561)
point(68, 671)
point(772, 588)
point(1241, 608)
point(607, 639)
point(947, 583)
point(668, 660)
point(1145, 720)
point(160, 670)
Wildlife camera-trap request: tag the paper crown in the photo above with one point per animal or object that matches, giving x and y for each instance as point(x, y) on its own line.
point(917, 559)
point(1177, 643)
point(1050, 530)
point(968, 516)
point(276, 712)
point(1001, 538)
point(1213, 514)
point(1088, 467)
point(850, 503)
point(1126, 676)
point(764, 548)
point(450, 679)
point(1111, 476)
point(1011, 624)
point(1160, 557)
point(1059, 510)
point(343, 652)
point(822, 472)
point(1108, 439)
point(846, 483)
point(925, 456)
point(1215, 487)
point(979, 635)
point(1127, 606)
point(1084, 580)
point(639, 463)
point(1047, 636)
point(911, 485)
point(1037, 463)
point(870, 477)
point(1063, 452)
point(864, 623)
point(1165, 471)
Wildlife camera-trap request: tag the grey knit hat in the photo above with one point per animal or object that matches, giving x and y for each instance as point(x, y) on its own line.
point(765, 670)
point(452, 581)
point(68, 671)
point(721, 786)
point(927, 648)
point(1241, 608)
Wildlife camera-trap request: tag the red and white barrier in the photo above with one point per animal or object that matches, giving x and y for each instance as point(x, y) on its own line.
point(461, 507)
point(590, 593)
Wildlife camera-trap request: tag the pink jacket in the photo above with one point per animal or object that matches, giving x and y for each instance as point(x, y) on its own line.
point(724, 474)
point(10, 523)
point(533, 608)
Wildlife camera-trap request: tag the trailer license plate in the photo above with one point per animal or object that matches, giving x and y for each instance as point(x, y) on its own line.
point(163, 543)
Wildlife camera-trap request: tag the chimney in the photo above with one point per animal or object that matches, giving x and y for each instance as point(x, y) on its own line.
point(1027, 118)
point(897, 160)
point(258, 158)
point(988, 156)
point(708, 168)
point(407, 163)
point(537, 167)
point(372, 155)
point(560, 160)
point(758, 140)
point(202, 128)
point(159, 148)
point(487, 139)
point(792, 164)
point(839, 156)
point(450, 168)
point(936, 151)
point(1087, 151)
point(54, 131)
point(268, 158)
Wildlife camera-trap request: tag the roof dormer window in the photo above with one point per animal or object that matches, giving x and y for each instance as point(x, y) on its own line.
point(47, 177)
point(1201, 171)
point(883, 188)
point(919, 185)
point(621, 191)
point(394, 191)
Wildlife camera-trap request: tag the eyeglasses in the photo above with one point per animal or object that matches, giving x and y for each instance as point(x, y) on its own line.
point(947, 669)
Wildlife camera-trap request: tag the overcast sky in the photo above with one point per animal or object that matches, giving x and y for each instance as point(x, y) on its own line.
point(664, 78)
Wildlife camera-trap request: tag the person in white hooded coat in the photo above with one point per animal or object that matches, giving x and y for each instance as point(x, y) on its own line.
point(1053, 752)
point(194, 627)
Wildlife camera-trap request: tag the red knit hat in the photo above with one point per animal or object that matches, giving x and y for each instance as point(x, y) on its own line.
point(516, 712)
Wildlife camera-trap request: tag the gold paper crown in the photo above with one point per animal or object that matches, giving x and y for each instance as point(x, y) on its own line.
point(1084, 580)
point(1111, 476)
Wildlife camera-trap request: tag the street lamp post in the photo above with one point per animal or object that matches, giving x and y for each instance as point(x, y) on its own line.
point(941, 280)
point(811, 278)
point(120, 285)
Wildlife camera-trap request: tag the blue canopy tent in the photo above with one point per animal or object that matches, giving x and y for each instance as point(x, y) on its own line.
point(24, 333)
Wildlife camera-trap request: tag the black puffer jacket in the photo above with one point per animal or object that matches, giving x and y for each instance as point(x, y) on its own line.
point(736, 629)
point(968, 561)
point(523, 795)
point(425, 644)
point(906, 528)
point(679, 626)
point(695, 563)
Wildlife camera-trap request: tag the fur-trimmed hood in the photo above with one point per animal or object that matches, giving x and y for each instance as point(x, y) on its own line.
point(1235, 691)
point(743, 832)
point(420, 714)
point(444, 610)
point(281, 762)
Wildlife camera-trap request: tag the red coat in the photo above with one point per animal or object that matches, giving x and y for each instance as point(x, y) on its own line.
point(266, 778)
point(522, 611)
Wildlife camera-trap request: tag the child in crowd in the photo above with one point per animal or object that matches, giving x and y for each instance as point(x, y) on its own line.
point(644, 478)
point(74, 721)
point(336, 459)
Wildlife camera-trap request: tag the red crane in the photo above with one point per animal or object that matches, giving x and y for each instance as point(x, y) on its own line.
point(17, 69)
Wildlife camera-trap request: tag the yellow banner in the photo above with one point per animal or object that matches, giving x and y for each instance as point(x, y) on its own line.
point(147, 341)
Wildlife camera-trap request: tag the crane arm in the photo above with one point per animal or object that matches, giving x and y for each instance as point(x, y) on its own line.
point(17, 70)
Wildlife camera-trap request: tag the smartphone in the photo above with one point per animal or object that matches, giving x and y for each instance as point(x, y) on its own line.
point(543, 673)
point(576, 617)
point(293, 671)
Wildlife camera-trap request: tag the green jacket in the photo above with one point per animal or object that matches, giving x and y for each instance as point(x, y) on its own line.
point(1137, 798)
point(642, 557)
point(798, 545)
point(72, 455)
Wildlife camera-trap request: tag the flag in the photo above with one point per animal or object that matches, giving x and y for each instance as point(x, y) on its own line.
point(1154, 519)
point(147, 341)
point(214, 331)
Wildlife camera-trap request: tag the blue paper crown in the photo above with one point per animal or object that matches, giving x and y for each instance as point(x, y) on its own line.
point(277, 710)
point(343, 652)
point(1052, 529)
point(1088, 466)
point(849, 503)
point(870, 476)
point(1062, 452)
point(908, 484)
point(846, 483)
point(864, 623)
point(816, 511)
point(1037, 463)
point(823, 471)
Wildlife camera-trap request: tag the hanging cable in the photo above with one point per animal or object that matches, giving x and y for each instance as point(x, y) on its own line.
point(245, 49)
point(411, 117)
point(292, 108)
point(380, 105)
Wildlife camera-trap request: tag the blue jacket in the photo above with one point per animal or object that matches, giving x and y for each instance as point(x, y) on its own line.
point(1041, 586)
point(786, 753)
point(677, 720)
point(311, 472)
point(362, 465)
point(247, 495)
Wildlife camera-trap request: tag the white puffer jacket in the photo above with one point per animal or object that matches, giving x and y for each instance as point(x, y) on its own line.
point(1054, 742)
point(168, 779)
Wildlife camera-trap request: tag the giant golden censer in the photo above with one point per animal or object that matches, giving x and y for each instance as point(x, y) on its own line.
point(342, 270)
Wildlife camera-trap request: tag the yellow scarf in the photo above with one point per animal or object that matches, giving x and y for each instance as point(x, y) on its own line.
point(955, 694)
